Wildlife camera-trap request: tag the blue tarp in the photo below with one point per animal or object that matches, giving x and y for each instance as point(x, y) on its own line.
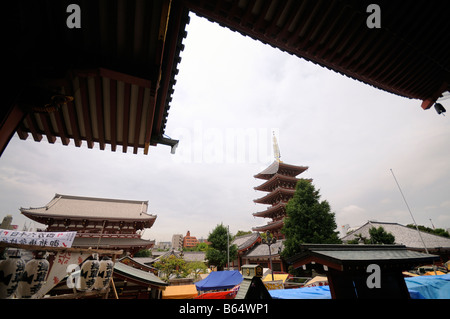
point(218, 280)
point(319, 292)
point(421, 287)
point(430, 287)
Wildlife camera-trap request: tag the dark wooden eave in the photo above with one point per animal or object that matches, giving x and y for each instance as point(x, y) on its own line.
point(407, 56)
point(118, 69)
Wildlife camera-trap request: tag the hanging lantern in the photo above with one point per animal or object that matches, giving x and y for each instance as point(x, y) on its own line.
point(104, 273)
point(88, 273)
point(11, 270)
point(33, 277)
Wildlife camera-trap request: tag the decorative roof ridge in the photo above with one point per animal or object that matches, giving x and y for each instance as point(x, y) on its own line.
point(293, 166)
point(102, 199)
point(276, 166)
point(378, 222)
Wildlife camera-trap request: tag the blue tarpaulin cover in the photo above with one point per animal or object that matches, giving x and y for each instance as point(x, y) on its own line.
point(319, 292)
point(421, 287)
point(218, 280)
point(429, 287)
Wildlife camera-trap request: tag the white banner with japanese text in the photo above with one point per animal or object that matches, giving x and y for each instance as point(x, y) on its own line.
point(45, 239)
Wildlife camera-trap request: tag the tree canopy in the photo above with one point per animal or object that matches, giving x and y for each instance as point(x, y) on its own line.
point(171, 266)
point(308, 220)
point(217, 251)
point(380, 236)
point(242, 233)
point(198, 247)
point(435, 231)
point(377, 236)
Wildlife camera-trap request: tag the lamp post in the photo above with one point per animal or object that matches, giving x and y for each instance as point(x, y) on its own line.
point(269, 241)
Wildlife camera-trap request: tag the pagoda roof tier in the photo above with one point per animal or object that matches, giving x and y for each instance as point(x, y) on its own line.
point(269, 226)
point(281, 168)
point(278, 194)
point(277, 180)
point(275, 210)
point(90, 208)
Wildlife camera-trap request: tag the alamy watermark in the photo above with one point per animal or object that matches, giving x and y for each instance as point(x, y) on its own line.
point(73, 20)
point(232, 145)
point(374, 279)
point(373, 21)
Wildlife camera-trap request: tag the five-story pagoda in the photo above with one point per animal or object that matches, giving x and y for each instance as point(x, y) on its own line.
point(280, 181)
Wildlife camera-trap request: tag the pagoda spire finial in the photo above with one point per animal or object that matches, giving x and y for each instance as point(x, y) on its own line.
point(276, 149)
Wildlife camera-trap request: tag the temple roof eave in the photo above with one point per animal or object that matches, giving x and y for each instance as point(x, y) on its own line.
point(245, 242)
point(274, 179)
point(269, 226)
point(276, 167)
point(110, 241)
point(279, 207)
point(35, 215)
point(91, 207)
point(276, 192)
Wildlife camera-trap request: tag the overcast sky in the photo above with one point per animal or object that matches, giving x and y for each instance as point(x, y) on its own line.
point(232, 92)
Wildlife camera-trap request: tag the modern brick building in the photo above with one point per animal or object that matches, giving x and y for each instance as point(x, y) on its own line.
point(189, 241)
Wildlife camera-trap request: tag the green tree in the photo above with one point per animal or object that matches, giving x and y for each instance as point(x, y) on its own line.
point(377, 236)
point(242, 233)
point(201, 247)
point(143, 253)
point(359, 238)
point(441, 232)
point(171, 266)
point(380, 236)
point(308, 221)
point(196, 268)
point(217, 251)
point(198, 247)
point(436, 231)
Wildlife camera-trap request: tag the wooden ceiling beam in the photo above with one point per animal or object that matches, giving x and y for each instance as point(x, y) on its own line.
point(139, 115)
point(113, 113)
point(51, 138)
point(33, 127)
point(100, 112)
point(126, 116)
point(85, 110)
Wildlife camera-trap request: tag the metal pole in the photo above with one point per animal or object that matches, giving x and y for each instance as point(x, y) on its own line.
point(269, 241)
point(228, 247)
point(101, 234)
point(417, 228)
point(270, 259)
